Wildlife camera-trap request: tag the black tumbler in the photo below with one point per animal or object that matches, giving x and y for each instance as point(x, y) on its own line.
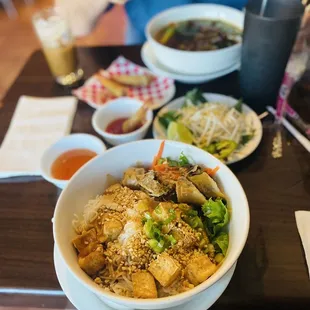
point(268, 37)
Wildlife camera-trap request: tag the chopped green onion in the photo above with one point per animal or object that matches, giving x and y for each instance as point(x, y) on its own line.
point(218, 257)
point(171, 240)
point(147, 215)
point(171, 217)
point(151, 230)
point(192, 212)
point(156, 246)
point(172, 163)
point(158, 210)
point(161, 161)
point(183, 160)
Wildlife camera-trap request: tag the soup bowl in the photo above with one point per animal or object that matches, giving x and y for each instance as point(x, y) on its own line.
point(195, 62)
point(94, 178)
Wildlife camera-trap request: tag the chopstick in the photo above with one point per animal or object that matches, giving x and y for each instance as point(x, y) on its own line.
point(299, 137)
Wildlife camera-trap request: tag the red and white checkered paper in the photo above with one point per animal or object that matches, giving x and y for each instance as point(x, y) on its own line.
point(160, 91)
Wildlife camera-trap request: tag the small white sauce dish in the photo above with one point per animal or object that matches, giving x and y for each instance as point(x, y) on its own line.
point(67, 143)
point(120, 108)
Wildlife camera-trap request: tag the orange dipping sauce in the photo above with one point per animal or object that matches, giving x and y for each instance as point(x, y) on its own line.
point(65, 165)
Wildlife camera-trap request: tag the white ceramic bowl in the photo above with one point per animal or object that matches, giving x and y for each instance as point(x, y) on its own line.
point(119, 108)
point(70, 142)
point(199, 62)
point(92, 180)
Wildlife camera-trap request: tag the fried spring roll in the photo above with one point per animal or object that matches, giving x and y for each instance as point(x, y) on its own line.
point(135, 120)
point(115, 88)
point(134, 80)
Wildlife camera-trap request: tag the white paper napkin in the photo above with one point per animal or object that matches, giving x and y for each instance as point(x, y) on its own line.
point(303, 225)
point(36, 124)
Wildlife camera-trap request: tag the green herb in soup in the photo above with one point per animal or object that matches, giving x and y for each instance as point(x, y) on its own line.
point(199, 35)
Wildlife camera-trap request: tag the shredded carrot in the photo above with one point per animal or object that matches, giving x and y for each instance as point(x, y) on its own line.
point(159, 155)
point(161, 167)
point(175, 176)
point(211, 172)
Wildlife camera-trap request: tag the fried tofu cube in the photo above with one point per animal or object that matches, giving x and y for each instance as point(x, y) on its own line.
point(83, 241)
point(144, 285)
point(165, 269)
point(93, 262)
point(112, 229)
point(199, 269)
point(90, 248)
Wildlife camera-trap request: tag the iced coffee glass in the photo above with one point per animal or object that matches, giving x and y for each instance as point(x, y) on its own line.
point(57, 42)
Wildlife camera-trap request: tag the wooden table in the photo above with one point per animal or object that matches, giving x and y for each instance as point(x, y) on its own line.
point(271, 271)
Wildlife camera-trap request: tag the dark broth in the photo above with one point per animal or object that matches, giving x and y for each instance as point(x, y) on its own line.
point(199, 35)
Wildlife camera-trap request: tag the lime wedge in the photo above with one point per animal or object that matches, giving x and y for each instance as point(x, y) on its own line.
point(179, 132)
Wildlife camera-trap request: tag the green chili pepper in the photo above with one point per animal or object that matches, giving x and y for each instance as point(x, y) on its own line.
point(225, 148)
point(211, 148)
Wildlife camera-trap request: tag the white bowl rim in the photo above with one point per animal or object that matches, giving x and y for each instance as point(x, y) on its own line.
point(94, 120)
point(136, 302)
point(48, 176)
point(150, 37)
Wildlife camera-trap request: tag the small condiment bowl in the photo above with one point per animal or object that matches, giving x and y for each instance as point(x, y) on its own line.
point(67, 143)
point(120, 108)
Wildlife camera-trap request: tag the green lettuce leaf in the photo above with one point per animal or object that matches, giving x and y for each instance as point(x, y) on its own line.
point(217, 215)
point(238, 105)
point(220, 243)
point(195, 97)
point(167, 118)
point(183, 160)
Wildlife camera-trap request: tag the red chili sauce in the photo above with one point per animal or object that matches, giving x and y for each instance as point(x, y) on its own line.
point(115, 127)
